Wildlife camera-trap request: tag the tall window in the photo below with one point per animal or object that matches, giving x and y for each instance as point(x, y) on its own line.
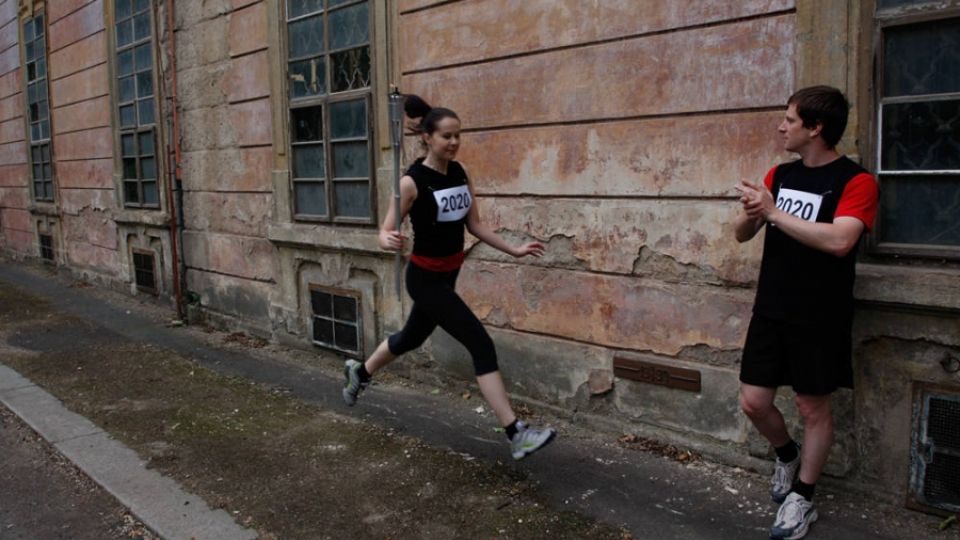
point(135, 102)
point(38, 107)
point(918, 150)
point(329, 90)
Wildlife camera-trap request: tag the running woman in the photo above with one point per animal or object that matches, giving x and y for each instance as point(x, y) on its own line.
point(438, 195)
point(814, 210)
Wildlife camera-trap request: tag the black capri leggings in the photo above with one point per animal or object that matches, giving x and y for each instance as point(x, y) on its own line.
point(436, 303)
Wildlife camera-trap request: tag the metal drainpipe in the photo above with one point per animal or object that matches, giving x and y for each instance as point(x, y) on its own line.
point(175, 201)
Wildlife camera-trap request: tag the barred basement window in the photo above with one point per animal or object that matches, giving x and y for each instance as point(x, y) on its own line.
point(336, 319)
point(143, 269)
point(46, 247)
point(329, 89)
point(136, 108)
point(38, 107)
point(935, 470)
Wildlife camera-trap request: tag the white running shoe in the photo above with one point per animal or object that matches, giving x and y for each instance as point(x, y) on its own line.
point(794, 518)
point(528, 440)
point(354, 385)
point(784, 475)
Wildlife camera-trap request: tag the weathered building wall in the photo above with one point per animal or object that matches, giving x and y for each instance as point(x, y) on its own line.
point(590, 128)
point(16, 228)
point(224, 90)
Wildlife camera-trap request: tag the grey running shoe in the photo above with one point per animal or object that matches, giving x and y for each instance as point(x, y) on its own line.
point(784, 474)
point(528, 440)
point(354, 385)
point(794, 518)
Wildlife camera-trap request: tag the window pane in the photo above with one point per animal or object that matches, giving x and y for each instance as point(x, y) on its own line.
point(921, 210)
point(129, 167)
point(31, 51)
point(125, 63)
point(146, 143)
point(323, 330)
point(922, 59)
point(127, 145)
point(308, 78)
point(130, 192)
point(47, 171)
point(45, 152)
point(308, 161)
point(320, 303)
point(150, 194)
point(306, 37)
point(148, 168)
point(307, 124)
point(122, 9)
point(346, 336)
point(124, 32)
point(127, 116)
point(48, 190)
point(127, 89)
point(141, 26)
point(349, 26)
point(35, 153)
point(338, 2)
point(310, 198)
point(296, 8)
point(886, 4)
point(921, 136)
point(42, 112)
point(353, 199)
point(140, 5)
point(146, 112)
point(31, 71)
point(34, 112)
point(35, 132)
point(345, 308)
point(348, 119)
point(351, 69)
point(144, 84)
point(28, 27)
point(44, 130)
point(142, 57)
point(37, 171)
point(41, 68)
point(350, 160)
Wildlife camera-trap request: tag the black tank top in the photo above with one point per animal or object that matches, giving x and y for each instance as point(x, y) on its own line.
point(799, 283)
point(439, 212)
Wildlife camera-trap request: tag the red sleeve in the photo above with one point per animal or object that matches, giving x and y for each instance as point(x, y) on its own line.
point(768, 180)
point(859, 199)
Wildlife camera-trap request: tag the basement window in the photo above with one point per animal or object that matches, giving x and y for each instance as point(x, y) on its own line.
point(336, 319)
point(46, 247)
point(935, 457)
point(143, 269)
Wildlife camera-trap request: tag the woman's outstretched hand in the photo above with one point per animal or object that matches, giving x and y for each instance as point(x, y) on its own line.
point(391, 240)
point(533, 248)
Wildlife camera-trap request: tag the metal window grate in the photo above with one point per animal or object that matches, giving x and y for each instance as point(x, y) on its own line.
point(336, 320)
point(144, 272)
point(46, 247)
point(935, 478)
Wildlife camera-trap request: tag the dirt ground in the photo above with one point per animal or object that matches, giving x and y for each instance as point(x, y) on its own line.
point(284, 468)
point(46, 496)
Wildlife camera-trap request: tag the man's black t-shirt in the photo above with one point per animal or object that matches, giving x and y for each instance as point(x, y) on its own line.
point(798, 283)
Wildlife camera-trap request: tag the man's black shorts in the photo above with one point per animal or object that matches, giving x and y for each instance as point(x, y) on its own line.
point(814, 359)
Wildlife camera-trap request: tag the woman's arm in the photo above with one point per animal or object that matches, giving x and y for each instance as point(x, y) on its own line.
point(477, 228)
point(389, 237)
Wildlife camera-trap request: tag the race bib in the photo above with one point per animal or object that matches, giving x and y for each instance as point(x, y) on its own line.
point(452, 203)
point(801, 204)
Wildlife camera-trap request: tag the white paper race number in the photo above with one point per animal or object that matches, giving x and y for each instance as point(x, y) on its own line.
point(804, 205)
point(452, 203)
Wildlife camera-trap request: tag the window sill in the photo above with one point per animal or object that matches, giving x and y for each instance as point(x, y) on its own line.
point(924, 288)
point(147, 216)
point(43, 208)
point(326, 236)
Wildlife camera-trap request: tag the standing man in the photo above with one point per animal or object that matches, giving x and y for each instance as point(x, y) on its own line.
point(814, 210)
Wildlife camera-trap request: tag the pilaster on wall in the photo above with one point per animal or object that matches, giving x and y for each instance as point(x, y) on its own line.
point(826, 53)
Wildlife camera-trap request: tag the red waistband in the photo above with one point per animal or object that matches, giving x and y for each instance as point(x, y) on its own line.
point(448, 263)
